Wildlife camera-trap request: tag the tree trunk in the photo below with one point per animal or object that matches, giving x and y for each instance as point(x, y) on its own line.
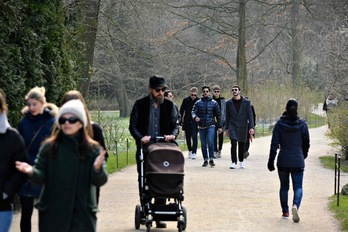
point(90, 25)
point(241, 54)
point(296, 45)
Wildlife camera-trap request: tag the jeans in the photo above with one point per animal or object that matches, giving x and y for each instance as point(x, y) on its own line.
point(297, 179)
point(5, 220)
point(207, 142)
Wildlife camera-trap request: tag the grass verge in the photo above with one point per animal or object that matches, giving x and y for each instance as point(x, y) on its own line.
point(341, 211)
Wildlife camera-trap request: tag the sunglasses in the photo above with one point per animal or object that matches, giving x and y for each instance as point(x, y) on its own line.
point(194, 95)
point(235, 90)
point(71, 120)
point(205, 91)
point(216, 91)
point(159, 90)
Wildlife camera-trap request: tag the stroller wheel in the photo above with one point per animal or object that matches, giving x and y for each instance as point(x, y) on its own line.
point(184, 213)
point(180, 227)
point(148, 227)
point(137, 219)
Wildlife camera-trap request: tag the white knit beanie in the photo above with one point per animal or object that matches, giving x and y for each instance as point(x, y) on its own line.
point(76, 108)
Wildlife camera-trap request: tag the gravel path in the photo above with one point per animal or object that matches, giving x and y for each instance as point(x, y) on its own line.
point(221, 199)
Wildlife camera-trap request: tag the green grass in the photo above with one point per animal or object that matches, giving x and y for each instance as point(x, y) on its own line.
point(341, 211)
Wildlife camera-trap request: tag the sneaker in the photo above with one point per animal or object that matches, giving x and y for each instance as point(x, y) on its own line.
point(215, 154)
point(233, 165)
point(285, 215)
point(295, 216)
point(242, 164)
point(193, 156)
point(205, 163)
point(211, 163)
point(190, 155)
point(219, 154)
point(246, 154)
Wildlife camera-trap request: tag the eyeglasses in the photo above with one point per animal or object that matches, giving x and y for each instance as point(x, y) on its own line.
point(205, 91)
point(193, 95)
point(235, 90)
point(71, 120)
point(216, 91)
point(158, 90)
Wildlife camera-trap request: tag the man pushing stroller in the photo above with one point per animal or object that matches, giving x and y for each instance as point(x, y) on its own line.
point(152, 116)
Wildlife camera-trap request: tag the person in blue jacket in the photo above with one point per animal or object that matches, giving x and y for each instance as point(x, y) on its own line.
point(35, 126)
point(291, 136)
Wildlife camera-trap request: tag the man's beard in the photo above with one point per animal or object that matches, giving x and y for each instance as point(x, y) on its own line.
point(158, 100)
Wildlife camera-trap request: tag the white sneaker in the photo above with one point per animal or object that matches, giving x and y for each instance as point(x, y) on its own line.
point(218, 154)
point(233, 165)
point(242, 164)
point(295, 216)
point(215, 154)
point(193, 156)
point(190, 155)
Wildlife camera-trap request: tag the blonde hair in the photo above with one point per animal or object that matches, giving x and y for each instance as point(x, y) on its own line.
point(3, 105)
point(37, 93)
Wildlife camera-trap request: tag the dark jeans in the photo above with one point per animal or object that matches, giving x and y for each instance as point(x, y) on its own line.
point(27, 204)
point(217, 137)
point(191, 135)
point(241, 146)
point(297, 179)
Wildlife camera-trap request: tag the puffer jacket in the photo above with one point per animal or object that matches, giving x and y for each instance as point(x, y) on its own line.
point(207, 110)
point(292, 138)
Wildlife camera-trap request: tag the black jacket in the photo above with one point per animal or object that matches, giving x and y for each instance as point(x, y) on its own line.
point(186, 112)
point(12, 148)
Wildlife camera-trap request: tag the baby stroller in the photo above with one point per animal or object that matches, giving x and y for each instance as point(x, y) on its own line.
point(161, 178)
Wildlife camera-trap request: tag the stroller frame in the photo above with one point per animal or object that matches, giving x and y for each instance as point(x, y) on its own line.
point(148, 211)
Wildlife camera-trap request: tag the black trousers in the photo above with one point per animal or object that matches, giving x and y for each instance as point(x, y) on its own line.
point(27, 204)
point(241, 148)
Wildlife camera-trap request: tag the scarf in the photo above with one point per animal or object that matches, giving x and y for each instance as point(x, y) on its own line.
point(4, 125)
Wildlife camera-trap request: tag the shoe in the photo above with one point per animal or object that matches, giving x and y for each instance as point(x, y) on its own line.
point(215, 154)
point(242, 164)
point(233, 165)
point(285, 215)
point(211, 163)
point(205, 163)
point(193, 156)
point(190, 155)
point(295, 216)
point(246, 154)
point(161, 224)
point(218, 154)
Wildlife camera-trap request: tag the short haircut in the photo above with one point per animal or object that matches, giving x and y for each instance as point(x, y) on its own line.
point(194, 89)
point(206, 87)
point(216, 87)
point(236, 86)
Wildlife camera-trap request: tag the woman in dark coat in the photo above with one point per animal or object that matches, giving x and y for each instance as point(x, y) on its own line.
point(70, 166)
point(35, 126)
point(12, 148)
point(290, 135)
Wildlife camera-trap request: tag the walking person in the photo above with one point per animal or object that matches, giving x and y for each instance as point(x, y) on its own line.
point(12, 148)
point(247, 143)
point(70, 167)
point(93, 129)
point(239, 124)
point(188, 124)
point(291, 136)
point(152, 116)
point(35, 126)
point(219, 138)
point(168, 94)
point(204, 112)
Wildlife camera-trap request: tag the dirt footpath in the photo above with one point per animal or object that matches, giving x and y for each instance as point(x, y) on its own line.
point(221, 199)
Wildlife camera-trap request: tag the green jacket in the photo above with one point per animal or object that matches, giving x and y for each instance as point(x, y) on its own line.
point(68, 199)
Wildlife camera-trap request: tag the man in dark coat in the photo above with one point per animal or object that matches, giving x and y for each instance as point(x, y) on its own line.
point(152, 116)
point(239, 124)
point(188, 124)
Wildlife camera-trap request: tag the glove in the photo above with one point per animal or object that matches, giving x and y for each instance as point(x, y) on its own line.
point(270, 165)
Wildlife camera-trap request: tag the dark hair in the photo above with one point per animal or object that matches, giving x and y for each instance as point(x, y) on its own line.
point(206, 87)
point(167, 92)
point(291, 108)
point(236, 86)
